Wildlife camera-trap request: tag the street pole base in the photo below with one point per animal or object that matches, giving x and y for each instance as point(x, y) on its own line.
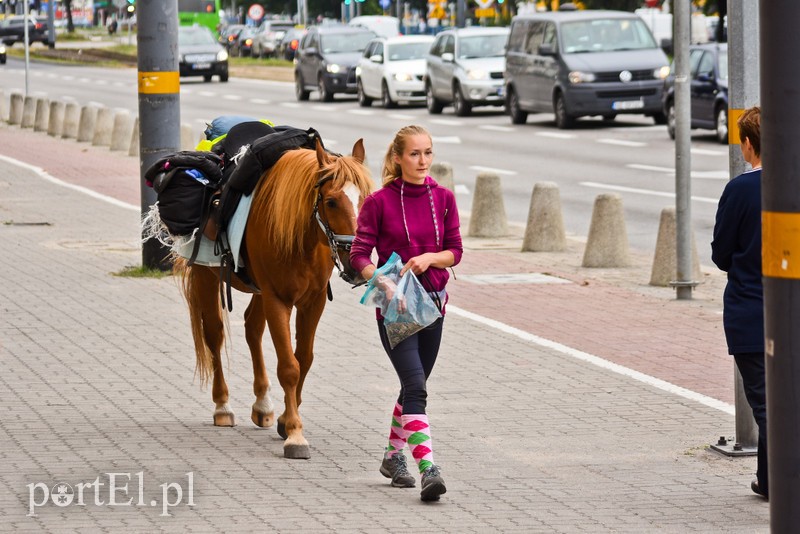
point(731, 448)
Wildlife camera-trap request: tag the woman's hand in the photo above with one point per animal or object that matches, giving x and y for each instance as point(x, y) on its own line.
point(389, 289)
point(418, 264)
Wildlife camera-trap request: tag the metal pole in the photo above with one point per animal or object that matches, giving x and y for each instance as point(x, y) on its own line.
point(26, 44)
point(51, 24)
point(780, 204)
point(743, 92)
point(461, 13)
point(683, 159)
point(159, 102)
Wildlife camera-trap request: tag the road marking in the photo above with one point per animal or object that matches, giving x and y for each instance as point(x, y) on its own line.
point(259, 101)
point(621, 142)
point(292, 105)
point(401, 117)
point(232, 97)
point(596, 360)
point(493, 170)
point(361, 111)
point(449, 140)
point(101, 82)
point(703, 175)
point(640, 167)
point(650, 192)
point(326, 109)
point(447, 122)
point(496, 128)
point(461, 189)
point(712, 175)
point(556, 135)
point(706, 152)
point(207, 93)
point(85, 190)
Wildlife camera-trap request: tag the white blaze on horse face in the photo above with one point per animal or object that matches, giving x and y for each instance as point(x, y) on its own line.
point(351, 192)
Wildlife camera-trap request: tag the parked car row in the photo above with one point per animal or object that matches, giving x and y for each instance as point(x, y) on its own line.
point(12, 29)
point(266, 40)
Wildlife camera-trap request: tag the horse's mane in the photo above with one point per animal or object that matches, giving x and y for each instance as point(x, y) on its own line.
point(283, 201)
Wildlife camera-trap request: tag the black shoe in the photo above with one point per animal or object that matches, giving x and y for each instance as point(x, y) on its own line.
point(432, 484)
point(395, 468)
point(756, 489)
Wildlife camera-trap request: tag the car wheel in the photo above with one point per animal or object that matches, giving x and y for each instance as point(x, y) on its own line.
point(660, 118)
point(2, 60)
point(433, 104)
point(517, 115)
point(299, 88)
point(564, 120)
point(722, 125)
point(386, 98)
point(207, 78)
point(223, 77)
point(460, 104)
point(324, 94)
point(363, 100)
point(671, 119)
point(609, 116)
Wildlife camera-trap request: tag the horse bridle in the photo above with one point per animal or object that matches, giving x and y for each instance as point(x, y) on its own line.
point(336, 242)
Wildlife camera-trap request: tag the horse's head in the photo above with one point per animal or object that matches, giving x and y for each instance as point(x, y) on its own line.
point(343, 184)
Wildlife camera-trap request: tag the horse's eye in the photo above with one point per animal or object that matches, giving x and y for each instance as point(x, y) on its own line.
point(330, 203)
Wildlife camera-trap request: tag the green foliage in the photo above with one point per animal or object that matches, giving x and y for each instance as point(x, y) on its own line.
point(139, 271)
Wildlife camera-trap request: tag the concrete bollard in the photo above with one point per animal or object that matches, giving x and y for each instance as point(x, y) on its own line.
point(87, 123)
point(42, 116)
point(121, 131)
point(15, 110)
point(133, 148)
point(665, 261)
point(72, 118)
point(607, 243)
point(443, 174)
point(55, 122)
point(28, 111)
point(103, 127)
point(544, 231)
point(187, 137)
point(3, 106)
point(488, 217)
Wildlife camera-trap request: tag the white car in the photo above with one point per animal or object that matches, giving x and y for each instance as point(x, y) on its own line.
point(392, 70)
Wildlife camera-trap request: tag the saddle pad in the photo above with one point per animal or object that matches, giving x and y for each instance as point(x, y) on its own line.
point(236, 226)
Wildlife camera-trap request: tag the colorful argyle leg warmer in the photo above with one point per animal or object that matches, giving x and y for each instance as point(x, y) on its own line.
point(397, 440)
point(418, 436)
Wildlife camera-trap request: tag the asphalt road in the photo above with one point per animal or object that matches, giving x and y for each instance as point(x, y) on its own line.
point(630, 156)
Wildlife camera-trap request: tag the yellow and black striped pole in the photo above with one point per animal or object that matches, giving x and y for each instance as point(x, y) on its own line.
point(159, 102)
point(780, 204)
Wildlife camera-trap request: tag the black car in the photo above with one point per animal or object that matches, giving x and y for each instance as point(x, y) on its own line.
point(289, 43)
point(708, 65)
point(12, 29)
point(242, 46)
point(326, 60)
point(200, 54)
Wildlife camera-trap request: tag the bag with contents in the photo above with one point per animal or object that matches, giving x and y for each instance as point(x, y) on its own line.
point(410, 308)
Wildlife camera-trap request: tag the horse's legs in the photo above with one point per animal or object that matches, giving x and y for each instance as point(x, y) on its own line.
point(306, 326)
point(263, 413)
point(278, 316)
point(205, 298)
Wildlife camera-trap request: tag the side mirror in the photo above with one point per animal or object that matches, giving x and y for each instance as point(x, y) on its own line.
point(377, 58)
point(311, 51)
point(704, 77)
point(448, 57)
point(547, 49)
point(666, 46)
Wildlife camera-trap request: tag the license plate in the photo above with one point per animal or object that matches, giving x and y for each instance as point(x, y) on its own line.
point(628, 104)
point(201, 66)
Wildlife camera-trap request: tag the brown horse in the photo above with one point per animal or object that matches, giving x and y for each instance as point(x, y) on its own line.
point(301, 222)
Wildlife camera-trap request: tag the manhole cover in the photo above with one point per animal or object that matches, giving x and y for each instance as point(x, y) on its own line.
point(512, 278)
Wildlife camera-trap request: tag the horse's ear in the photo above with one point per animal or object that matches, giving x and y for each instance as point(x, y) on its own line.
point(358, 151)
point(322, 157)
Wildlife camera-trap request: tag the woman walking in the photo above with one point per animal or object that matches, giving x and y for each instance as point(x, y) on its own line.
point(413, 216)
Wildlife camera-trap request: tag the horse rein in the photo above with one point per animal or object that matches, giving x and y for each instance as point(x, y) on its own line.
point(336, 242)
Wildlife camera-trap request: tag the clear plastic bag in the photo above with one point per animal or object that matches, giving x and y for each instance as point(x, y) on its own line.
point(409, 310)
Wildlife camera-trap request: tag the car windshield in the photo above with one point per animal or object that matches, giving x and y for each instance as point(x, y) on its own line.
point(195, 37)
point(482, 46)
point(606, 35)
point(723, 64)
point(406, 51)
point(345, 42)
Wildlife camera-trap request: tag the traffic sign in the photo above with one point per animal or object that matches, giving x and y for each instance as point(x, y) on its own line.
point(255, 12)
point(487, 12)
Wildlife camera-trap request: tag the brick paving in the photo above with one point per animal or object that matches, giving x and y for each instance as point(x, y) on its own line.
point(98, 378)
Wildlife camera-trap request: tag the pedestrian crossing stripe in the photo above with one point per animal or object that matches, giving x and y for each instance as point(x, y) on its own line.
point(159, 83)
point(780, 249)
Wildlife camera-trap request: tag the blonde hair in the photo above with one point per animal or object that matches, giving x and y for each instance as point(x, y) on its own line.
point(391, 169)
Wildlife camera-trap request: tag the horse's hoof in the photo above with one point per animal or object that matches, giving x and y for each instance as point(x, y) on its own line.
point(264, 420)
point(224, 419)
point(282, 431)
point(296, 452)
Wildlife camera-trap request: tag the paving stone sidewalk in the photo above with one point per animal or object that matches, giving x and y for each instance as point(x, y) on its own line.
point(98, 378)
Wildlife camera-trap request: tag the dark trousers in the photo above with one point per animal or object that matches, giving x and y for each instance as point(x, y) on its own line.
point(413, 360)
point(751, 367)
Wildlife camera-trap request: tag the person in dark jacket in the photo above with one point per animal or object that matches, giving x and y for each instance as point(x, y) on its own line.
point(736, 249)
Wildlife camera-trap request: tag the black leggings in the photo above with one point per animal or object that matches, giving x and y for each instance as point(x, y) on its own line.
point(413, 360)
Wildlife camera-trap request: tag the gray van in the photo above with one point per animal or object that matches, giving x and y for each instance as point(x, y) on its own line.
point(580, 63)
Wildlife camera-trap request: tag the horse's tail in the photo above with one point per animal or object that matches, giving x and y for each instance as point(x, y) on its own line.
point(192, 288)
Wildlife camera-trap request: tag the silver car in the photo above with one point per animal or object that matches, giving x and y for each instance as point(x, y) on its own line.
point(465, 67)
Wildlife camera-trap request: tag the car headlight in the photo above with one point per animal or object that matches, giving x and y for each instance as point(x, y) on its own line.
point(358, 71)
point(333, 68)
point(2, 49)
point(577, 76)
point(403, 77)
point(222, 55)
point(477, 74)
point(661, 72)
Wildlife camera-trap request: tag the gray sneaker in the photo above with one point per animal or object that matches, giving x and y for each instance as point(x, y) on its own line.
point(395, 468)
point(432, 484)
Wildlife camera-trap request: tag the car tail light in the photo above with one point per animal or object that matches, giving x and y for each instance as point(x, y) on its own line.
point(38, 26)
point(248, 42)
point(231, 38)
point(294, 44)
